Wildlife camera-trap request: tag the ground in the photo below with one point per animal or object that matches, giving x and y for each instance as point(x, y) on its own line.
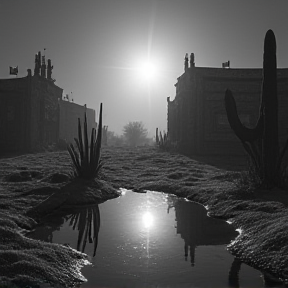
point(33, 185)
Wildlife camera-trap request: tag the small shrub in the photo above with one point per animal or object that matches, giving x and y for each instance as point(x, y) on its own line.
point(86, 161)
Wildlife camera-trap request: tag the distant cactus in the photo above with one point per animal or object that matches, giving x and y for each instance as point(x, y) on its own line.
point(162, 141)
point(157, 137)
point(105, 135)
point(261, 142)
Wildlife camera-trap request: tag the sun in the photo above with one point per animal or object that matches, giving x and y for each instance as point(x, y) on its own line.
point(147, 70)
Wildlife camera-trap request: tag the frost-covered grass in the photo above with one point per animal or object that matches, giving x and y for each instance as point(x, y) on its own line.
point(28, 181)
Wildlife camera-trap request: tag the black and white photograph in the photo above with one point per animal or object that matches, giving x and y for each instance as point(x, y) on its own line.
point(144, 144)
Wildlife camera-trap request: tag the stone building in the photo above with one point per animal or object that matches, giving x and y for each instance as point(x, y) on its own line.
point(197, 120)
point(69, 114)
point(30, 111)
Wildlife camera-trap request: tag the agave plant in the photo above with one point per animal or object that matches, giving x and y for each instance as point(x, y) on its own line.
point(87, 160)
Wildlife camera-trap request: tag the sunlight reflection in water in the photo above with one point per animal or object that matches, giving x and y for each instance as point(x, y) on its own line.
point(148, 220)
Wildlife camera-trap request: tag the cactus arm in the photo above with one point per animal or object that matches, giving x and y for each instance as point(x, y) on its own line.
point(243, 133)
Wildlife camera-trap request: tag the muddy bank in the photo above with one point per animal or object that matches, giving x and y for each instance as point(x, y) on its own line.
point(28, 181)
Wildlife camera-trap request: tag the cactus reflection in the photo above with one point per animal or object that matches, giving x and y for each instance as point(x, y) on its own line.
point(85, 220)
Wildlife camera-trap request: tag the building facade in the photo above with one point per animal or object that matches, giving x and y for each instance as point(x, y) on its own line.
point(14, 114)
point(29, 113)
point(33, 113)
point(197, 121)
point(69, 114)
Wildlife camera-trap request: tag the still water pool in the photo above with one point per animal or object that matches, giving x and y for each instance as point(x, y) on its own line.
point(150, 240)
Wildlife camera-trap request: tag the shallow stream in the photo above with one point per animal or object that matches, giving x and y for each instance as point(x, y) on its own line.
point(150, 240)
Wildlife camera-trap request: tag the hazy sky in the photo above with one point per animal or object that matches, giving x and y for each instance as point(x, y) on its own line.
point(95, 46)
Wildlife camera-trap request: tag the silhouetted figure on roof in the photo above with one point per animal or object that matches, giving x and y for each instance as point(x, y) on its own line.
point(186, 62)
point(43, 67)
point(37, 64)
point(49, 70)
point(192, 60)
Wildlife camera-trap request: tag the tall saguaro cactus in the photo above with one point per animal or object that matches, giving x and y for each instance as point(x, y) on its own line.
point(261, 142)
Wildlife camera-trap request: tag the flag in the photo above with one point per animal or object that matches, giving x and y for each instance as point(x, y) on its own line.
point(226, 64)
point(13, 70)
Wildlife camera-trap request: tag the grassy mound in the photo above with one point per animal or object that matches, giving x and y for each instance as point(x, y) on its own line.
point(27, 262)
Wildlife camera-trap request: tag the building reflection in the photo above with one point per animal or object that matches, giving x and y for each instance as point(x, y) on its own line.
point(85, 220)
point(197, 229)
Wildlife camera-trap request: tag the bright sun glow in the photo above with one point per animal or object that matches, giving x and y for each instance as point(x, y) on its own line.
point(147, 219)
point(147, 70)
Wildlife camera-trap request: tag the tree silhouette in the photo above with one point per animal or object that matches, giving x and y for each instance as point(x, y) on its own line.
point(135, 133)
